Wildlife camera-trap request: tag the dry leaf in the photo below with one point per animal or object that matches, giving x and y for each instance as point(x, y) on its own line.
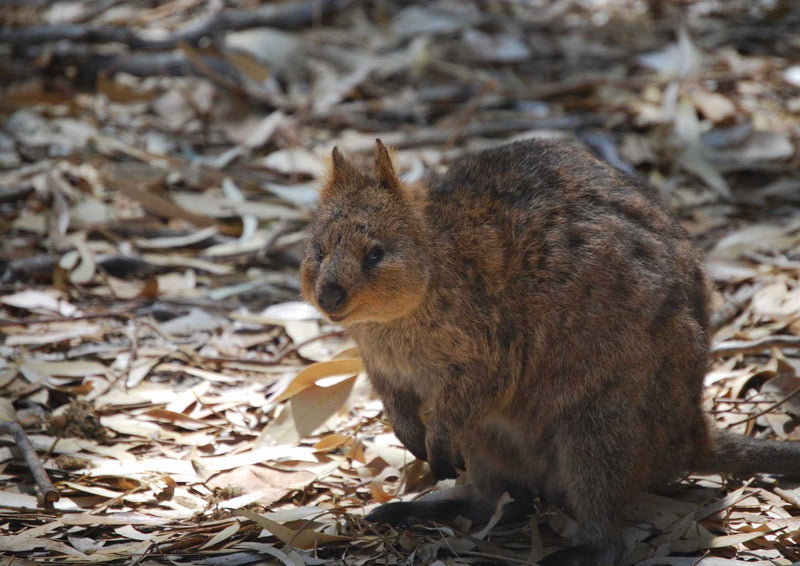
point(346, 367)
point(714, 106)
point(305, 539)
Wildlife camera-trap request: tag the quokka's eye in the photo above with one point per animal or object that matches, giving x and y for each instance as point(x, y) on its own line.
point(319, 255)
point(374, 256)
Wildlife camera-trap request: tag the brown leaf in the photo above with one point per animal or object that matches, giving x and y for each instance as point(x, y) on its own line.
point(305, 539)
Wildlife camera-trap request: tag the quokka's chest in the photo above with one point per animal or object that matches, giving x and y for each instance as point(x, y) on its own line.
point(409, 362)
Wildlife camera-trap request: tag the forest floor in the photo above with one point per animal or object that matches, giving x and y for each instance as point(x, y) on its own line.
point(157, 164)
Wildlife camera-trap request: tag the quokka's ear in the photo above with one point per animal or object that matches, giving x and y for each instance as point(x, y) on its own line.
point(341, 169)
point(337, 160)
point(384, 170)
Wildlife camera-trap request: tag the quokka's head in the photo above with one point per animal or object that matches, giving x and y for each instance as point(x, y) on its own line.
point(365, 259)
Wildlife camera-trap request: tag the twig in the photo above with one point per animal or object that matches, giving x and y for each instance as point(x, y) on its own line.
point(278, 357)
point(752, 346)
point(281, 227)
point(304, 526)
point(439, 136)
point(133, 328)
point(386, 542)
point(468, 112)
point(117, 500)
point(769, 409)
point(289, 15)
point(497, 557)
point(296, 347)
point(147, 64)
point(52, 319)
point(577, 86)
point(49, 493)
point(720, 400)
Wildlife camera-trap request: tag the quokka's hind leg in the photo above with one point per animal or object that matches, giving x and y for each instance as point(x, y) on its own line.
point(599, 547)
point(445, 506)
point(591, 476)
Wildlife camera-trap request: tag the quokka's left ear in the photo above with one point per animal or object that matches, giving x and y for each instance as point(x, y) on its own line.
point(340, 173)
point(384, 170)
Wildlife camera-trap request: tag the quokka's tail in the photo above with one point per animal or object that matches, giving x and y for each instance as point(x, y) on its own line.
point(744, 456)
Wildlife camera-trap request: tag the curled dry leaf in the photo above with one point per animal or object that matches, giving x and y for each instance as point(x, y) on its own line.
point(377, 483)
point(346, 367)
point(333, 442)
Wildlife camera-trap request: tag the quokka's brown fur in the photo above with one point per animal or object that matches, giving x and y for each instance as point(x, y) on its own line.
point(548, 315)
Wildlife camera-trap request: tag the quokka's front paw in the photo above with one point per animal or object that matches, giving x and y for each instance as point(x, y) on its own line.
point(414, 443)
point(441, 456)
point(397, 514)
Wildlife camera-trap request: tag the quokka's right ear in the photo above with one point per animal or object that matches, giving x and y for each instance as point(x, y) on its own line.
point(384, 169)
point(337, 159)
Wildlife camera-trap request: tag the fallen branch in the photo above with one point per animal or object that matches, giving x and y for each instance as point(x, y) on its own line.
point(333, 334)
point(752, 346)
point(56, 319)
point(468, 112)
point(289, 15)
point(49, 493)
point(438, 136)
point(278, 357)
point(585, 85)
point(769, 409)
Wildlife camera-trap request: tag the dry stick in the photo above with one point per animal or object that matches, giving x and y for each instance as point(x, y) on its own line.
point(699, 560)
point(469, 112)
point(296, 347)
point(47, 320)
point(278, 357)
point(768, 409)
point(386, 542)
point(571, 86)
point(281, 227)
point(303, 527)
point(216, 413)
point(195, 56)
point(289, 15)
point(49, 493)
point(720, 400)
point(133, 328)
point(753, 346)
point(117, 500)
point(491, 128)
point(500, 557)
point(435, 136)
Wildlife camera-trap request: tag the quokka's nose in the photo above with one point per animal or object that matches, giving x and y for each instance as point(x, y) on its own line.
point(332, 297)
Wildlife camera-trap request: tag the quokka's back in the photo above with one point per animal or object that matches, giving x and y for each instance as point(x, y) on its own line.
point(535, 317)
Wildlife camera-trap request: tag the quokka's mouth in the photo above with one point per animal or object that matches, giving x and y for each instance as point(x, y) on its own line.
point(337, 317)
